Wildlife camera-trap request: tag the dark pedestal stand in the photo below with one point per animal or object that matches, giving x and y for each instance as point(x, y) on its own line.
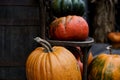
point(85, 45)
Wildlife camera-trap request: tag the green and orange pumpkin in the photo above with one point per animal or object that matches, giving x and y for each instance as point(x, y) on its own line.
point(104, 67)
point(52, 63)
point(69, 28)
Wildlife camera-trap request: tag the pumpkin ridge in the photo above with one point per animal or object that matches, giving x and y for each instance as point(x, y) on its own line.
point(63, 56)
point(75, 63)
point(116, 62)
point(67, 60)
point(58, 58)
point(32, 63)
point(65, 22)
point(37, 67)
point(34, 66)
point(52, 57)
point(60, 55)
point(97, 73)
point(54, 27)
point(68, 19)
point(101, 69)
point(67, 7)
point(42, 67)
point(106, 66)
point(48, 66)
point(38, 61)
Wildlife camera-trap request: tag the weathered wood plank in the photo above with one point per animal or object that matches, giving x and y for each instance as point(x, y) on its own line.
point(19, 15)
point(12, 73)
point(19, 2)
point(16, 43)
point(19, 24)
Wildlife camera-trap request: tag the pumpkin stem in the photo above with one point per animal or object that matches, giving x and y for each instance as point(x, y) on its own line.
point(109, 48)
point(44, 43)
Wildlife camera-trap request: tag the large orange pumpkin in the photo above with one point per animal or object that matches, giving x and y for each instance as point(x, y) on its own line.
point(69, 28)
point(52, 63)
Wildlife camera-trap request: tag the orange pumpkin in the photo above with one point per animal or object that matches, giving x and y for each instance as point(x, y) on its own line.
point(52, 63)
point(76, 51)
point(114, 37)
point(69, 28)
point(90, 58)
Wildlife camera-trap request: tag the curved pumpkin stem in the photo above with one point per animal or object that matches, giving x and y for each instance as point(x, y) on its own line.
point(109, 48)
point(44, 44)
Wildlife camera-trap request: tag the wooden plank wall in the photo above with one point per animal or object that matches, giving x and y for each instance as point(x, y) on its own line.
point(19, 24)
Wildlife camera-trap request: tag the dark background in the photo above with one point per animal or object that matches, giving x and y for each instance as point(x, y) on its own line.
point(118, 16)
point(19, 24)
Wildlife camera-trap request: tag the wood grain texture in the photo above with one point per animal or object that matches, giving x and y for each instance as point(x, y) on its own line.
point(19, 2)
point(19, 24)
point(12, 73)
point(19, 15)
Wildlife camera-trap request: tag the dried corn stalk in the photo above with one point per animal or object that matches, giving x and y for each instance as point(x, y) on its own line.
point(104, 19)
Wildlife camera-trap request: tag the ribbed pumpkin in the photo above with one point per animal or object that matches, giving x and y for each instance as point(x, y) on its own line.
point(67, 7)
point(70, 27)
point(52, 63)
point(105, 67)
